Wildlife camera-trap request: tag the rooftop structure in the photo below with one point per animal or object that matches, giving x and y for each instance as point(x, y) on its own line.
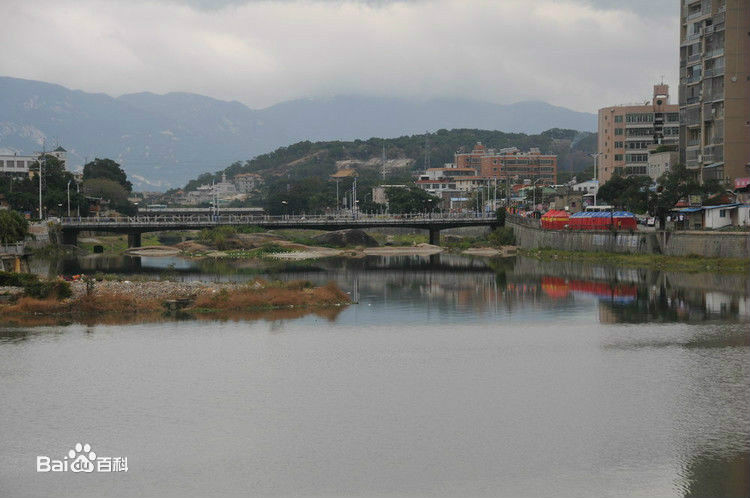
point(626, 133)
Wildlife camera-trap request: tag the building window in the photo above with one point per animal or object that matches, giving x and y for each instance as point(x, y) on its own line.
point(618, 157)
point(618, 119)
point(722, 213)
point(618, 131)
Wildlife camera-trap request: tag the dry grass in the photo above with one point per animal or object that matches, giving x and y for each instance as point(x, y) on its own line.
point(292, 294)
point(253, 301)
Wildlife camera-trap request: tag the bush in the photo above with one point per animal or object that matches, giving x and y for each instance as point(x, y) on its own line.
point(217, 237)
point(502, 237)
point(17, 279)
point(500, 216)
point(41, 290)
point(13, 227)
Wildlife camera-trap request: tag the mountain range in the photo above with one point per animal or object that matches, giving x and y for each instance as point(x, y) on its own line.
point(164, 140)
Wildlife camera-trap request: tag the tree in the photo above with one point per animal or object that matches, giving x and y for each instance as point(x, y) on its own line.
point(23, 193)
point(628, 193)
point(411, 200)
point(110, 191)
point(673, 185)
point(13, 227)
point(106, 169)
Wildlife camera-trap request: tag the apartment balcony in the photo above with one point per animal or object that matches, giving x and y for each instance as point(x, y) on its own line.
point(714, 153)
point(713, 72)
point(694, 58)
point(717, 52)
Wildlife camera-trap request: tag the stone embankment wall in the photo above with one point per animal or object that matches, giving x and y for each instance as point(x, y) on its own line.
point(529, 235)
point(707, 244)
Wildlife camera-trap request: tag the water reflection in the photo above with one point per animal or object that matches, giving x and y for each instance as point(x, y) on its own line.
point(452, 376)
point(454, 286)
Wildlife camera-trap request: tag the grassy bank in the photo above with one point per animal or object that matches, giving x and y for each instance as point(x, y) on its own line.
point(654, 261)
point(132, 298)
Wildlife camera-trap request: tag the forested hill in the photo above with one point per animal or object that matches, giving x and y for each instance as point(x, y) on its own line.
point(318, 159)
point(300, 172)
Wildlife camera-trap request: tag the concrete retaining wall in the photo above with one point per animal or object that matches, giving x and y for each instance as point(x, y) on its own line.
point(706, 244)
point(529, 237)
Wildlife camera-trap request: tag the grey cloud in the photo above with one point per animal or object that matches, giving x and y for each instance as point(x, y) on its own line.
point(582, 54)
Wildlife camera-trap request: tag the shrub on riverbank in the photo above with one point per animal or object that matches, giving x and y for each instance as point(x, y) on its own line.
point(150, 297)
point(33, 287)
point(260, 296)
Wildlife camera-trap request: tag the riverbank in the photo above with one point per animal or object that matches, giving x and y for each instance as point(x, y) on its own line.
point(688, 264)
point(250, 243)
point(92, 299)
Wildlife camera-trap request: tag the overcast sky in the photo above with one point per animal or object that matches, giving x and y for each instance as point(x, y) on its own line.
point(582, 54)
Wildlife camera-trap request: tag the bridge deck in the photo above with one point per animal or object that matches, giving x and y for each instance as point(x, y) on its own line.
point(150, 223)
point(136, 225)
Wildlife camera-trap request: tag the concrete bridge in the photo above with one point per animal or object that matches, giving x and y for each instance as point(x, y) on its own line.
point(137, 225)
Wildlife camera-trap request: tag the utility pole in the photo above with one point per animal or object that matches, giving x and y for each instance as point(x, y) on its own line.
point(382, 171)
point(338, 206)
point(427, 150)
point(68, 191)
point(78, 198)
point(354, 197)
point(44, 152)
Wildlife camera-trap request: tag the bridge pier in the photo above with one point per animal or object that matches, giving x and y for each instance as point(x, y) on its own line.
point(134, 239)
point(435, 236)
point(70, 237)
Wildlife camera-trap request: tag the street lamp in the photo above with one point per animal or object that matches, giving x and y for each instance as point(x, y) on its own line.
point(596, 173)
point(533, 186)
point(284, 203)
point(68, 190)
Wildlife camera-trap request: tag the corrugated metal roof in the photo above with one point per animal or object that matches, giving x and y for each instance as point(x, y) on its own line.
point(602, 214)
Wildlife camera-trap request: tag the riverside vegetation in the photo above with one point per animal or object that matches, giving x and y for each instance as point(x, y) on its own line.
point(94, 298)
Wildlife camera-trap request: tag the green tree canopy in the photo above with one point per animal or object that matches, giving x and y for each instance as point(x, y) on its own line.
point(13, 227)
point(106, 169)
point(410, 200)
point(111, 191)
point(629, 193)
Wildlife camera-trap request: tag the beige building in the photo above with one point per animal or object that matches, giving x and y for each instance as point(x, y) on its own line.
point(661, 162)
point(715, 88)
point(627, 132)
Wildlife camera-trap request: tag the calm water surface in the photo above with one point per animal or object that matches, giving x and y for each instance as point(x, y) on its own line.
point(451, 377)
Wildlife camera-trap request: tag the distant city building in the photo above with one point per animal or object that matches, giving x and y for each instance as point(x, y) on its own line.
point(509, 163)
point(714, 94)
point(248, 182)
point(222, 190)
point(627, 132)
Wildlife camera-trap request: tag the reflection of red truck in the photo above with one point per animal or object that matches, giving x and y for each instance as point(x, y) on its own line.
point(589, 220)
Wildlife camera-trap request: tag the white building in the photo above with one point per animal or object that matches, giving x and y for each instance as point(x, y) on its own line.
point(18, 165)
point(589, 187)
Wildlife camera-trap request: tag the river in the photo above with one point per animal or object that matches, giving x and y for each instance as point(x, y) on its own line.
point(451, 376)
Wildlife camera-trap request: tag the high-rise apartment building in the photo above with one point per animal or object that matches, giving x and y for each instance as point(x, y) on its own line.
point(714, 94)
point(627, 133)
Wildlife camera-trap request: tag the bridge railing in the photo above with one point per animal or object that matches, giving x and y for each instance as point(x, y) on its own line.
point(333, 219)
point(17, 249)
